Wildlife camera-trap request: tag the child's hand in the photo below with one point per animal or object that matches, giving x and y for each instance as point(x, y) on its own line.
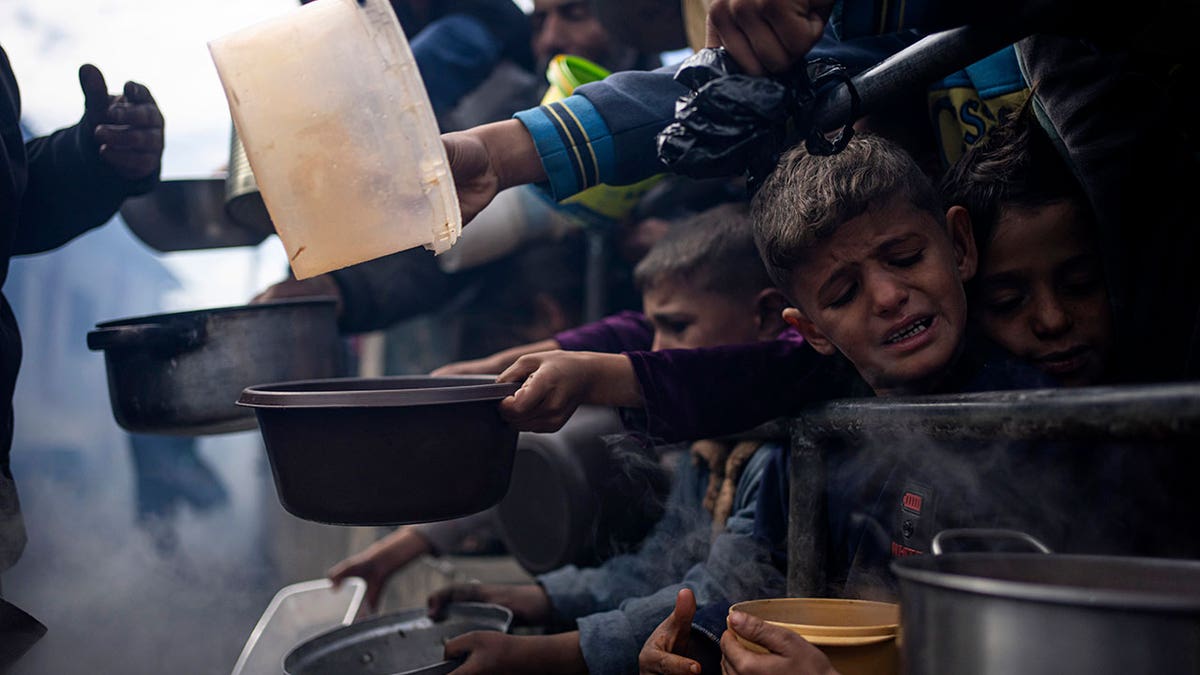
point(528, 602)
point(660, 654)
point(379, 562)
point(558, 382)
point(789, 654)
point(499, 653)
point(496, 363)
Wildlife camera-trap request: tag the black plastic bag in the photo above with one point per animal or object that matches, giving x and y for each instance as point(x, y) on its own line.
point(731, 123)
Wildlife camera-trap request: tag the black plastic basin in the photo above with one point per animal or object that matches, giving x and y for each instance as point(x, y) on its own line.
point(386, 451)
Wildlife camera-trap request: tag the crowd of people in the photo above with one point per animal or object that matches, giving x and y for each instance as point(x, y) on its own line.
point(1019, 223)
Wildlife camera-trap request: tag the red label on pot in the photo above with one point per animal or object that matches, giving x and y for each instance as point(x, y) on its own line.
point(912, 501)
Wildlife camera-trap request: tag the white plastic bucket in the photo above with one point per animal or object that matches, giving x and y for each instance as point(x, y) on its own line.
point(340, 134)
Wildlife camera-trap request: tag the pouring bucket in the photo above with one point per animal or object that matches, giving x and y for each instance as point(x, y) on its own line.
point(338, 130)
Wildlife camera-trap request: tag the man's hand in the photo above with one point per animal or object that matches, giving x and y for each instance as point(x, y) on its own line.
point(557, 383)
point(487, 159)
point(501, 654)
point(320, 286)
point(380, 561)
point(661, 655)
point(128, 129)
point(767, 36)
point(528, 602)
point(789, 654)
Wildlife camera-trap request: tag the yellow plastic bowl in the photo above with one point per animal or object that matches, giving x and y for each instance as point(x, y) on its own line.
point(858, 636)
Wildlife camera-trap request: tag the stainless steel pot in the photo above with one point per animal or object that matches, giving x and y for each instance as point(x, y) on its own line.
point(182, 373)
point(1031, 613)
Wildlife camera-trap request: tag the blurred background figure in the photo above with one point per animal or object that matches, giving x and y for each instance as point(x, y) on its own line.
point(169, 475)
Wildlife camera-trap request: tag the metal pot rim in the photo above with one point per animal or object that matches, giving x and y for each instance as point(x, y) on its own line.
point(499, 617)
point(924, 570)
point(258, 307)
point(378, 392)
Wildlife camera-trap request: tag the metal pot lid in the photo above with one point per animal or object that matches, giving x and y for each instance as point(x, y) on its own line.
point(194, 313)
point(402, 643)
point(1112, 582)
point(382, 392)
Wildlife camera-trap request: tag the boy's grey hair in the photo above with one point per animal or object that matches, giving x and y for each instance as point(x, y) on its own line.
point(714, 250)
point(808, 197)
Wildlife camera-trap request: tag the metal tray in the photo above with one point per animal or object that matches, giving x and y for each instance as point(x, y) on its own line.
point(403, 643)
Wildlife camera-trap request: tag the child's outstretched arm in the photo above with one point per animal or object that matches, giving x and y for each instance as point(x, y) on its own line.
point(556, 383)
point(616, 333)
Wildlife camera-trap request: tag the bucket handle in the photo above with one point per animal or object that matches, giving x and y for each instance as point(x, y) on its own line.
point(986, 534)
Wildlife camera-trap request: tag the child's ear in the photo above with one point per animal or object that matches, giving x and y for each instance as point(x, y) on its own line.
point(962, 237)
point(796, 319)
point(768, 309)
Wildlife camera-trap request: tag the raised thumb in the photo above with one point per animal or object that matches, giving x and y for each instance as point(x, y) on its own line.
point(95, 93)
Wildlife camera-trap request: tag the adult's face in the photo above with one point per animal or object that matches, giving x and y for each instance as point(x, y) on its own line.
point(569, 27)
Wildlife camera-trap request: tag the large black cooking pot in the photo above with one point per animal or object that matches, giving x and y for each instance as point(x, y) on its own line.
point(1032, 613)
point(386, 451)
point(182, 373)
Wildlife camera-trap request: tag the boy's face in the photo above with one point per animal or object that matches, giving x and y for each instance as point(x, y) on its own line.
point(1041, 293)
point(886, 290)
point(687, 317)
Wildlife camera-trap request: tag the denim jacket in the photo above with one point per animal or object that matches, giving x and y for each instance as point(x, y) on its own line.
point(618, 604)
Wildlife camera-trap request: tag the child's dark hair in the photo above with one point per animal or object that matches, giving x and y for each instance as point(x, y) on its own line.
point(1016, 166)
point(714, 250)
point(808, 197)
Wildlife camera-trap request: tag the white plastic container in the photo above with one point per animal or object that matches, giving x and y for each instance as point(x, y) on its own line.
point(297, 613)
point(339, 133)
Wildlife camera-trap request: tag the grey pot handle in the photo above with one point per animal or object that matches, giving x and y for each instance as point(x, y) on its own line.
point(986, 534)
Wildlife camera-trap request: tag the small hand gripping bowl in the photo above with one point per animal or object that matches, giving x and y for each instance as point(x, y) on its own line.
point(386, 451)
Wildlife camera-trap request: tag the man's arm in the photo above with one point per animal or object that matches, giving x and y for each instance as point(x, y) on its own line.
point(78, 177)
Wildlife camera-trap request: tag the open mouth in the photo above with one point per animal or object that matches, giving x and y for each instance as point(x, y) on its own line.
point(909, 331)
